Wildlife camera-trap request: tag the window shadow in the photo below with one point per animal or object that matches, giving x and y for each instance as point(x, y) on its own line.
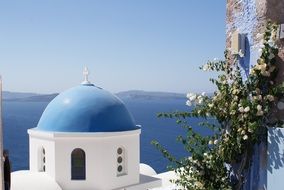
point(275, 152)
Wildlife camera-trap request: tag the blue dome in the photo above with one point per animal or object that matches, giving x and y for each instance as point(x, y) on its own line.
point(86, 108)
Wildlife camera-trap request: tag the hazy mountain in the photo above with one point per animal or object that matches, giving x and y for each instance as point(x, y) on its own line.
point(139, 94)
point(133, 94)
point(14, 95)
point(37, 98)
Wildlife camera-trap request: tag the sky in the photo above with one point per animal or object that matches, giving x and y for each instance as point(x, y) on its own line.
point(151, 45)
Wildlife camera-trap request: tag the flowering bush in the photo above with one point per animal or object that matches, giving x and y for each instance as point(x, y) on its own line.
point(238, 114)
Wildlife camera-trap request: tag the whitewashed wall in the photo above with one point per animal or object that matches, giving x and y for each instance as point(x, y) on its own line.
point(101, 157)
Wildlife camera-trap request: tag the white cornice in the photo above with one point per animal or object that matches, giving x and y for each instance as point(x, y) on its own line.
point(64, 135)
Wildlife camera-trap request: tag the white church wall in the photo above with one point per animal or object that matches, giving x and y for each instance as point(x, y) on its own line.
point(132, 159)
point(35, 160)
point(63, 150)
point(101, 161)
point(101, 157)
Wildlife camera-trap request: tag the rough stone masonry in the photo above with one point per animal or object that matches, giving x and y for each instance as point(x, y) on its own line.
point(249, 17)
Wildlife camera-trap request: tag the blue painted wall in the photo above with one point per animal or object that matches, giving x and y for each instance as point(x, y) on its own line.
point(245, 20)
point(275, 161)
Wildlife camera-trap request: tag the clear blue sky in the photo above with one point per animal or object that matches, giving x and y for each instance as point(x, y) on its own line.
point(153, 45)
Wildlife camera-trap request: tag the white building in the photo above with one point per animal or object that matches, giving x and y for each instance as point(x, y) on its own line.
point(85, 140)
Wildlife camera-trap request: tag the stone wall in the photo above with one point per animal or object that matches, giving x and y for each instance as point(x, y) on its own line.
point(249, 17)
point(245, 17)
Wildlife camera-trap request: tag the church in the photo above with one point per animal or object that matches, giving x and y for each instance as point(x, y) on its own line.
point(86, 139)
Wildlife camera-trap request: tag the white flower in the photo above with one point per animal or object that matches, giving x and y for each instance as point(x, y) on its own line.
point(227, 131)
point(188, 103)
point(271, 42)
point(188, 95)
point(235, 91)
point(252, 71)
point(205, 67)
point(210, 157)
point(199, 99)
point(257, 67)
point(210, 105)
point(199, 184)
point(247, 109)
point(216, 141)
point(241, 109)
point(226, 139)
point(205, 154)
point(233, 112)
point(203, 94)
point(210, 142)
point(193, 97)
point(255, 97)
point(245, 137)
point(258, 35)
point(265, 73)
point(241, 53)
point(270, 98)
point(243, 132)
point(250, 130)
point(263, 67)
point(258, 107)
point(259, 113)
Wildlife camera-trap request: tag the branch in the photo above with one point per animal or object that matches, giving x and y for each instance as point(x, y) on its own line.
point(240, 171)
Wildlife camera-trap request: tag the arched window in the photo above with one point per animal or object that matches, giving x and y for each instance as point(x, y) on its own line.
point(78, 164)
point(121, 161)
point(41, 159)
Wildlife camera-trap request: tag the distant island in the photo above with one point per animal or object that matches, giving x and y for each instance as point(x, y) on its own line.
point(139, 94)
point(132, 94)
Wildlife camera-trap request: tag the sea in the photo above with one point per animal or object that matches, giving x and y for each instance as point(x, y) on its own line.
point(18, 116)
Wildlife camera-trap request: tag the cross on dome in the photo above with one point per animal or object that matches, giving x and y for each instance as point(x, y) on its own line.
point(86, 76)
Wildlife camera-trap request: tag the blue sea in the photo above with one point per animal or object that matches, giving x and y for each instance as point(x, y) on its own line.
point(20, 116)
